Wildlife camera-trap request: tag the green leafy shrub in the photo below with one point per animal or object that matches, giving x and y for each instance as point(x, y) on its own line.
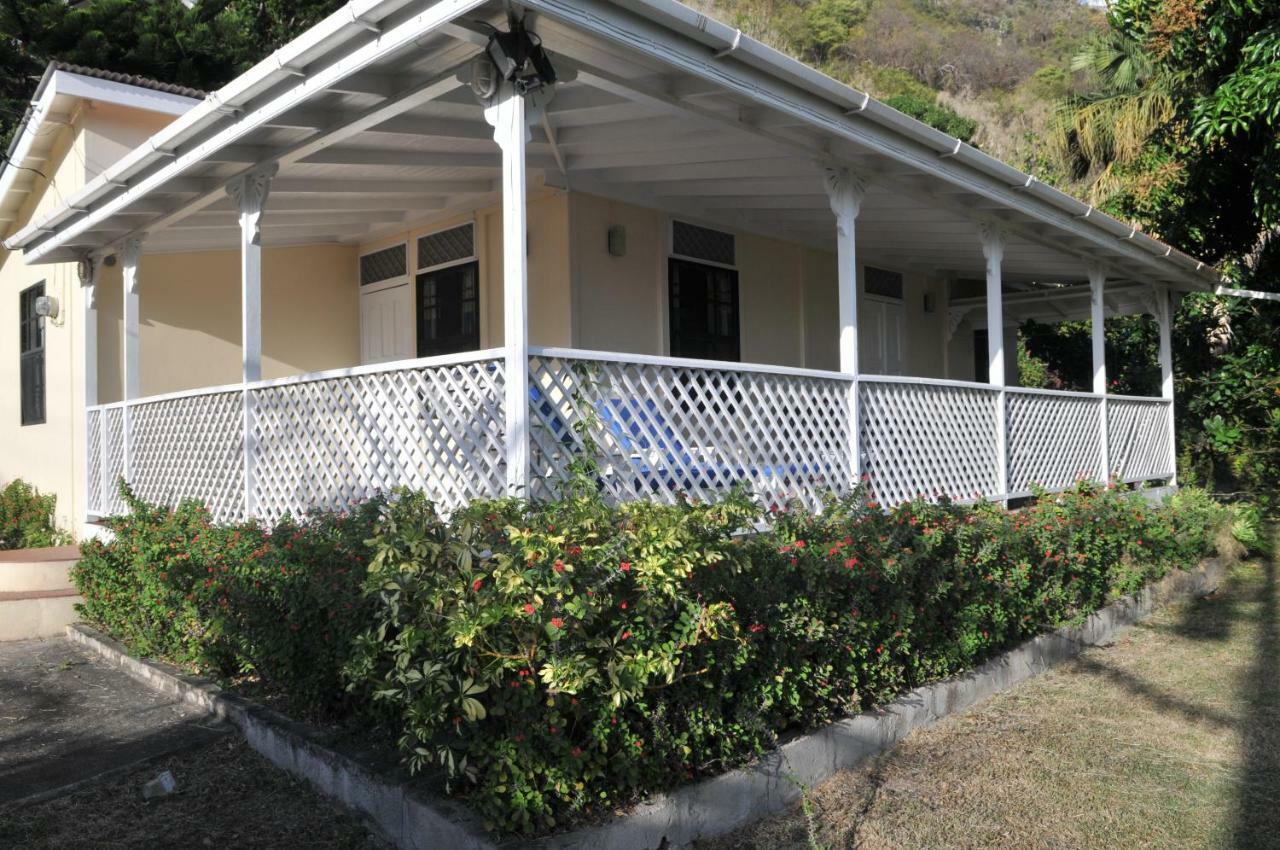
point(281, 604)
point(27, 518)
point(556, 660)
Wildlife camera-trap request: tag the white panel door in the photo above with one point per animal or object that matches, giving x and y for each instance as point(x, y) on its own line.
point(386, 324)
point(881, 330)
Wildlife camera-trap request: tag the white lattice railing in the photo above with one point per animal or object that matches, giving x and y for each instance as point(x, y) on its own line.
point(652, 428)
point(320, 441)
point(659, 427)
point(928, 438)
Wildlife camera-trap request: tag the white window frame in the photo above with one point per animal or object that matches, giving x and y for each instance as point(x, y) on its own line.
point(391, 281)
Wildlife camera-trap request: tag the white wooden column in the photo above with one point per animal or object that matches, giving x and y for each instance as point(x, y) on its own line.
point(1098, 327)
point(1164, 317)
point(90, 318)
point(993, 240)
point(510, 115)
point(846, 190)
point(131, 375)
point(249, 192)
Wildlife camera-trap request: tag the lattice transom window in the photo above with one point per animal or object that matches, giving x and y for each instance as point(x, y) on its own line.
point(387, 264)
point(882, 282)
point(447, 246)
point(702, 243)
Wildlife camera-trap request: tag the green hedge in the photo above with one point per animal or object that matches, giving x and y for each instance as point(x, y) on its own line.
point(559, 660)
point(281, 605)
point(554, 661)
point(27, 518)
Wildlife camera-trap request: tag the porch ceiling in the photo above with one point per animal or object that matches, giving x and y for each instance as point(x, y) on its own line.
point(403, 138)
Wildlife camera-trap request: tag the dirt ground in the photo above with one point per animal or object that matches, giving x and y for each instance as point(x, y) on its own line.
point(227, 797)
point(1169, 738)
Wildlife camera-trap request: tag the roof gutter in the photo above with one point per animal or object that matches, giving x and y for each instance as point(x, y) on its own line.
point(115, 188)
point(727, 41)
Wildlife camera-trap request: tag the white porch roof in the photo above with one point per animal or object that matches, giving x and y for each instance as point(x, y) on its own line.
point(373, 126)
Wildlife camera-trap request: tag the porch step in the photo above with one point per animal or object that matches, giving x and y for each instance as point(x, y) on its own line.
point(37, 598)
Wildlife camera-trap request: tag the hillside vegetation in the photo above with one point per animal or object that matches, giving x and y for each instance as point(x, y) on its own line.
point(987, 71)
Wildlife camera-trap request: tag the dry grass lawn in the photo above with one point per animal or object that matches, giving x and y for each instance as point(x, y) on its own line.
point(228, 797)
point(1169, 738)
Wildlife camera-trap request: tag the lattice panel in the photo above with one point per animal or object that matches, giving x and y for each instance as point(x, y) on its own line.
point(190, 447)
point(326, 444)
point(93, 460)
point(1138, 439)
point(928, 440)
point(113, 460)
point(662, 430)
point(1053, 440)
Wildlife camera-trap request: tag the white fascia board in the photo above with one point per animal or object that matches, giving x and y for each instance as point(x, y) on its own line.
point(725, 42)
point(286, 63)
point(68, 84)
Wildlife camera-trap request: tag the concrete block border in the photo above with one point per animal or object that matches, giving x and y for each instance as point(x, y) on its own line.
point(413, 821)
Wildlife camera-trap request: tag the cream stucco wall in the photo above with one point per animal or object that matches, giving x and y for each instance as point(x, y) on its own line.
point(189, 317)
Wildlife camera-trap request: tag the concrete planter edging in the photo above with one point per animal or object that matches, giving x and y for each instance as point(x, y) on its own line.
point(677, 818)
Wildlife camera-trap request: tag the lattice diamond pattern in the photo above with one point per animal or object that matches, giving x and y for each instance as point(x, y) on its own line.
point(661, 430)
point(93, 460)
point(1138, 439)
point(1053, 440)
point(447, 246)
point(190, 447)
point(325, 444)
point(928, 440)
point(702, 243)
point(113, 466)
point(382, 265)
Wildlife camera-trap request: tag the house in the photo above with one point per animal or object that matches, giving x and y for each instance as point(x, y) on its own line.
point(435, 244)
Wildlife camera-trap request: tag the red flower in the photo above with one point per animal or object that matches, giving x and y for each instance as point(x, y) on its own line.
point(850, 563)
point(626, 635)
point(557, 622)
point(558, 566)
point(799, 544)
point(623, 605)
point(625, 566)
point(475, 585)
point(528, 608)
point(577, 751)
point(756, 628)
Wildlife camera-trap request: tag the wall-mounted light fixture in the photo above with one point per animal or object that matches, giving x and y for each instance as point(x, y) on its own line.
point(47, 307)
point(930, 302)
point(617, 241)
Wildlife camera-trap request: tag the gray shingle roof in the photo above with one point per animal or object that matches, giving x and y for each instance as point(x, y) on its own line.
point(129, 79)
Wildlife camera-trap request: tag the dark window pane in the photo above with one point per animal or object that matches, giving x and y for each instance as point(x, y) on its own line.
point(387, 264)
point(448, 310)
point(704, 311)
point(447, 246)
point(31, 356)
point(702, 243)
point(881, 282)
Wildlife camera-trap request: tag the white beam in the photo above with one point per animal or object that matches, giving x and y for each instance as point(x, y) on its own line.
point(317, 186)
point(846, 190)
point(1164, 317)
point(993, 242)
point(130, 258)
point(1098, 328)
point(335, 203)
point(510, 118)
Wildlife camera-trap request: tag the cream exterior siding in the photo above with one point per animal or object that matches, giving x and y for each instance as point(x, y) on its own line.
point(189, 317)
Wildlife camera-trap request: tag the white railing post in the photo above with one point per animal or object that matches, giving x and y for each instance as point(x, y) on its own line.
point(1098, 326)
point(846, 189)
point(993, 240)
point(130, 257)
point(510, 115)
point(90, 319)
point(249, 192)
point(1164, 317)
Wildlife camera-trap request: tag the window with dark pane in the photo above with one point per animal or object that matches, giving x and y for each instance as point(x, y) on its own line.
point(387, 264)
point(31, 355)
point(449, 310)
point(882, 282)
point(704, 311)
point(702, 243)
point(447, 246)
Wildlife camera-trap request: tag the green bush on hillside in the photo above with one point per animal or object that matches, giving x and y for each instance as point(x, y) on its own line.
point(27, 518)
point(939, 117)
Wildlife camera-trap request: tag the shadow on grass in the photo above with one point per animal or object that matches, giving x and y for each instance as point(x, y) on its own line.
point(1256, 822)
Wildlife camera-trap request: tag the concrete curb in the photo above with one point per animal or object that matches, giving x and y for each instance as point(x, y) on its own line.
point(677, 818)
